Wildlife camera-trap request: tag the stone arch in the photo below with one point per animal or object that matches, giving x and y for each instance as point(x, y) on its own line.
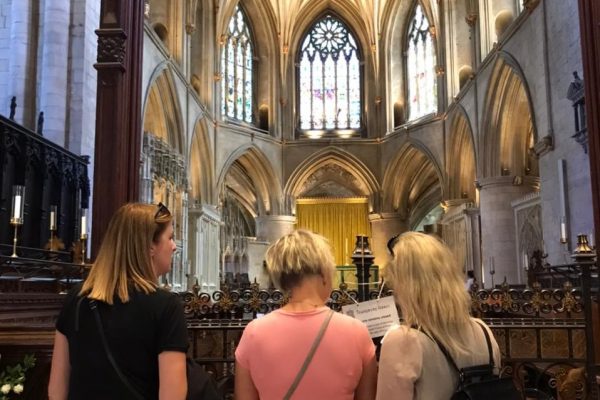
point(508, 123)
point(200, 165)
point(334, 165)
point(462, 165)
point(162, 111)
point(250, 175)
point(418, 189)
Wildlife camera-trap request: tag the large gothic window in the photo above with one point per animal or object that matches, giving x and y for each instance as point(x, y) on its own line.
point(236, 64)
point(421, 63)
point(329, 78)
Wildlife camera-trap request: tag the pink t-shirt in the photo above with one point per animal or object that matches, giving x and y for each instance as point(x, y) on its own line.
point(274, 347)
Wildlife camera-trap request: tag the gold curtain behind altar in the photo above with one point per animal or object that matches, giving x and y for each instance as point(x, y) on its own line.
point(339, 220)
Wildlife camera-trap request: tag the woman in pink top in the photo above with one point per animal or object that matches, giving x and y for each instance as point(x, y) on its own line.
point(274, 347)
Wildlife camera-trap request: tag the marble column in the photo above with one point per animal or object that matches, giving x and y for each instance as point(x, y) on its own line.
point(54, 68)
point(21, 63)
point(269, 228)
point(498, 238)
point(383, 227)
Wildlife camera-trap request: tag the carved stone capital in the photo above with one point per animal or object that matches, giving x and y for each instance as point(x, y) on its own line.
point(543, 146)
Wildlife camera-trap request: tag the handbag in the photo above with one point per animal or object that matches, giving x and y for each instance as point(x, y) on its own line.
point(309, 357)
point(479, 382)
point(201, 384)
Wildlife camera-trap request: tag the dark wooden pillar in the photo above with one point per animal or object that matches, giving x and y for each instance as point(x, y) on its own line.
point(118, 111)
point(589, 18)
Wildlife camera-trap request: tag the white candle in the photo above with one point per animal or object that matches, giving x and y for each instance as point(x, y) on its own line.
point(83, 225)
point(17, 209)
point(525, 260)
point(563, 231)
point(492, 270)
point(52, 220)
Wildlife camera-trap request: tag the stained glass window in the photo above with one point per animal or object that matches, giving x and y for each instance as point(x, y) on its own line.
point(421, 62)
point(236, 66)
point(329, 77)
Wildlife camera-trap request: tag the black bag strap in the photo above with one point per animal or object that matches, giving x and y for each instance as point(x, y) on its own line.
point(451, 360)
point(94, 307)
point(309, 357)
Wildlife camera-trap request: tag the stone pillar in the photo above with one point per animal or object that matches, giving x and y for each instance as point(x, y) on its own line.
point(256, 255)
point(203, 249)
point(269, 228)
point(383, 227)
point(21, 67)
point(498, 240)
point(461, 234)
point(119, 112)
point(54, 68)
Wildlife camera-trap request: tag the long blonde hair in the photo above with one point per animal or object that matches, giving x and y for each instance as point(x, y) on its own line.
point(429, 288)
point(124, 256)
point(297, 255)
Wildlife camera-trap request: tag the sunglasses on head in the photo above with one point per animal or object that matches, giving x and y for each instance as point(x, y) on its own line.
point(391, 243)
point(162, 211)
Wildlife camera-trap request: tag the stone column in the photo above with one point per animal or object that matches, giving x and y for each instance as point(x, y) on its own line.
point(498, 238)
point(203, 249)
point(54, 67)
point(21, 63)
point(269, 228)
point(383, 227)
point(461, 233)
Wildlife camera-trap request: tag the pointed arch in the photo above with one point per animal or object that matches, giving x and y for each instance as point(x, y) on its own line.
point(413, 182)
point(508, 123)
point(249, 174)
point(162, 110)
point(359, 180)
point(200, 165)
point(462, 165)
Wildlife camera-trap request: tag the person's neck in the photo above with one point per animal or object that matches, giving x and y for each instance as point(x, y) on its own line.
point(306, 296)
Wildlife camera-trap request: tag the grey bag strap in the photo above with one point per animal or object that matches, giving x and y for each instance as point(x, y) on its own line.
point(309, 357)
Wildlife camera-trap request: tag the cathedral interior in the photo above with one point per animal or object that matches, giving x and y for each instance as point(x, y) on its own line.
point(248, 119)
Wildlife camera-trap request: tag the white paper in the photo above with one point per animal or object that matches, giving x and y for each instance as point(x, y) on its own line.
point(378, 315)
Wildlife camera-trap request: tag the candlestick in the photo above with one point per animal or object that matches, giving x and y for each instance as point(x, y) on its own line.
point(83, 240)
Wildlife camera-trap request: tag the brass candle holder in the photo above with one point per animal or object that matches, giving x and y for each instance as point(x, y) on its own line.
point(15, 222)
point(83, 240)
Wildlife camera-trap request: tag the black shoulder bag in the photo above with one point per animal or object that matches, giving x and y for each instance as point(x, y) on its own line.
point(479, 382)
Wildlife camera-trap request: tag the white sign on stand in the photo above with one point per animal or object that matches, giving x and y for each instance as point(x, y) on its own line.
point(378, 315)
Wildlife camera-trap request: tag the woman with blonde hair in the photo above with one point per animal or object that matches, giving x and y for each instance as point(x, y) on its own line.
point(428, 286)
point(304, 350)
point(119, 336)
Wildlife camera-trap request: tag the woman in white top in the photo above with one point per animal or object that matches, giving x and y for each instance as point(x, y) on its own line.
point(429, 288)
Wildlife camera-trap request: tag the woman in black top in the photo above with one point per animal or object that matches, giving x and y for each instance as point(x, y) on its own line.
point(144, 326)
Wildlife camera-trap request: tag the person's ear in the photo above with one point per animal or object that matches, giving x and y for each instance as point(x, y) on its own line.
point(152, 250)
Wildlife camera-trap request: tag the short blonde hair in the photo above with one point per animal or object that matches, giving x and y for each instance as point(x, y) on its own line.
point(297, 255)
point(124, 256)
point(428, 286)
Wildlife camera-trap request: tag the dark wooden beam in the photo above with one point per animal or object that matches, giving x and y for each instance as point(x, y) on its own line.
point(589, 22)
point(118, 111)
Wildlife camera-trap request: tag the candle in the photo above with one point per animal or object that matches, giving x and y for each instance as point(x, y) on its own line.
point(591, 240)
point(17, 208)
point(525, 260)
point(563, 231)
point(492, 270)
point(52, 220)
point(83, 225)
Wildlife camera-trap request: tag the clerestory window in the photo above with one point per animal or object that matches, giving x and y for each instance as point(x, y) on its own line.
point(237, 70)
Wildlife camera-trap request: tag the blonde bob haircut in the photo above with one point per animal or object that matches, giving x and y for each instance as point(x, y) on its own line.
point(428, 285)
point(297, 255)
point(124, 256)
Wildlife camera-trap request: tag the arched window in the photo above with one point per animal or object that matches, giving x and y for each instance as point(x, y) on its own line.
point(236, 65)
point(421, 62)
point(329, 77)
